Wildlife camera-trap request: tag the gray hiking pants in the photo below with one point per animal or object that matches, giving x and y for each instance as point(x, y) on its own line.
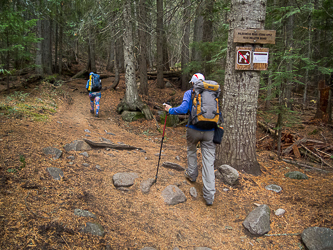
point(208, 157)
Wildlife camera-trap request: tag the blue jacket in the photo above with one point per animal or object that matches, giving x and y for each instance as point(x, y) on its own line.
point(184, 108)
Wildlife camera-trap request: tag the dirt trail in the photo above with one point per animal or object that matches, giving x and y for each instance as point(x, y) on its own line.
point(131, 219)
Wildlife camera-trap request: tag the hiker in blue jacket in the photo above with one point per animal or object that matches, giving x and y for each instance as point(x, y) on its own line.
point(193, 136)
point(94, 92)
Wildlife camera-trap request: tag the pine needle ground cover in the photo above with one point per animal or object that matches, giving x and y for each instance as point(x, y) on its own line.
point(37, 212)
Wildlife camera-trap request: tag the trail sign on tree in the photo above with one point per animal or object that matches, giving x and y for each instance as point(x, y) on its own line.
point(241, 88)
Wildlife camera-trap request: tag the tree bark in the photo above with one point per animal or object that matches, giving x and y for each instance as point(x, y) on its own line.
point(143, 49)
point(61, 35)
point(207, 36)
point(185, 45)
point(39, 63)
point(46, 52)
point(197, 35)
point(132, 100)
point(116, 71)
point(159, 45)
point(92, 51)
point(290, 44)
point(306, 84)
point(240, 95)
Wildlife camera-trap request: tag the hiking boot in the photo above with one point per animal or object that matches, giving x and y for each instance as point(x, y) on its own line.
point(91, 111)
point(97, 115)
point(188, 177)
point(209, 203)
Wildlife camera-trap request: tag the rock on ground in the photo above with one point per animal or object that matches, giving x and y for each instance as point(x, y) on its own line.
point(124, 179)
point(56, 173)
point(173, 195)
point(84, 213)
point(296, 175)
point(56, 153)
point(318, 238)
point(77, 145)
point(146, 184)
point(229, 174)
point(274, 188)
point(94, 229)
point(258, 220)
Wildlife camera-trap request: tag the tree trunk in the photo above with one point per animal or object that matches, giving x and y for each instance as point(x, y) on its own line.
point(61, 35)
point(159, 45)
point(8, 59)
point(116, 70)
point(142, 46)
point(47, 53)
point(92, 51)
point(290, 42)
point(207, 36)
point(197, 35)
point(56, 46)
point(306, 84)
point(240, 95)
point(110, 63)
point(185, 45)
point(132, 100)
point(39, 51)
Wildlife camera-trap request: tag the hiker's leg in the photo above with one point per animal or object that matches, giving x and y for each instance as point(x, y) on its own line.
point(208, 157)
point(192, 141)
point(97, 99)
point(92, 98)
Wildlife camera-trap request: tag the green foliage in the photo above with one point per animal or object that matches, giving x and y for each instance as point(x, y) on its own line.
point(16, 35)
point(19, 105)
point(11, 170)
point(22, 160)
point(314, 132)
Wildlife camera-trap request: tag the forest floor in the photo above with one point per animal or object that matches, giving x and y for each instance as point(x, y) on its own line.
point(37, 212)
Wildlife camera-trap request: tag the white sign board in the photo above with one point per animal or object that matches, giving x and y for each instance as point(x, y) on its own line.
point(260, 57)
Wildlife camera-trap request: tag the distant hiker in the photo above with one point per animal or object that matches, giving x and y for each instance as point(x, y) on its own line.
point(200, 101)
point(94, 86)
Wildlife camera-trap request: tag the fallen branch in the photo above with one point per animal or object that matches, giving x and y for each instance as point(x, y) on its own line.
point(266, 128)
point(322, 152)
point(288, 149)
point(111, 145)
point(263, 137)
point(321, 159)
point(302, 165)
point(285, 234)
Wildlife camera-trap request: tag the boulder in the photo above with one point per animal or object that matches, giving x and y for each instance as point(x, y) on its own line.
point(124, 179)
point(296, 175)
point(173, 195)
point(56, 153)
point(130, 116)
point(229, 174)
point(146, 184)
point(274, 188)
point(318, 238)
point(257, 222)
point(93, 228)
point(84, 213)
point(56, 173)
point(77, 145)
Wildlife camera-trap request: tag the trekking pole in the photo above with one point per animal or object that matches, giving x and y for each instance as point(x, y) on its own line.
point(159, 157)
